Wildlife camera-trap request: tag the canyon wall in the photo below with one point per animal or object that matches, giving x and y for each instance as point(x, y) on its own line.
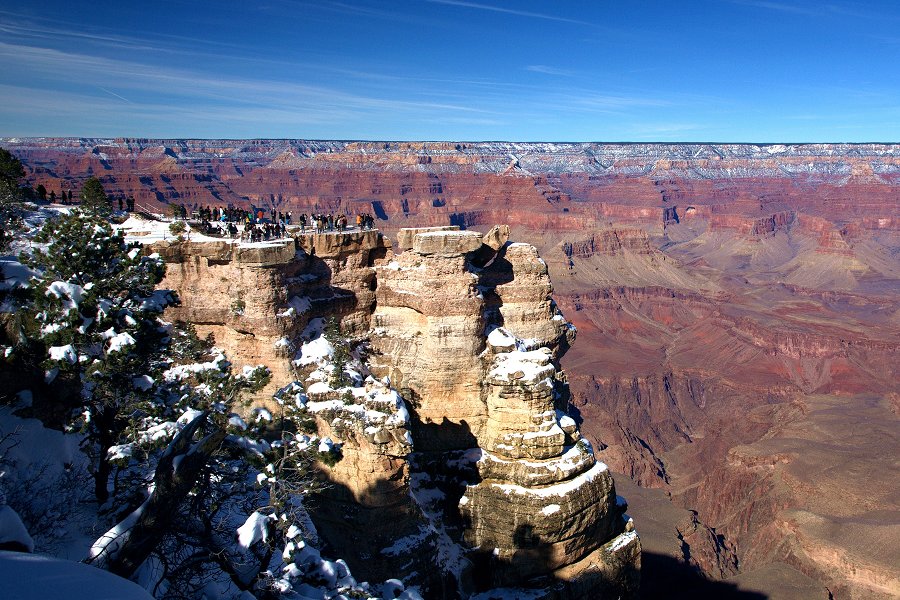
point(564, 186)
point(736, 307)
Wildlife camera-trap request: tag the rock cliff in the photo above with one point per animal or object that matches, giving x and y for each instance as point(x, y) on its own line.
point(457, 342)
point(727, 296)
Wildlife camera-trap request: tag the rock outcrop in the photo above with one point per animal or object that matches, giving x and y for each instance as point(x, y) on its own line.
point(542, 505)
point(462, 340)
point(255, 299)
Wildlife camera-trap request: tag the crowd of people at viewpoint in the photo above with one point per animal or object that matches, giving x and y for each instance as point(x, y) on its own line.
point(258, 225)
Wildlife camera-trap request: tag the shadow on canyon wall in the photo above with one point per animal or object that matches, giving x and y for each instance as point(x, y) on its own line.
point(326, 299)
point(667, 577)
point(382, 533)
point(386, 535)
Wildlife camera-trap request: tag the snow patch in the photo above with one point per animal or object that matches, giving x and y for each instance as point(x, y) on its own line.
point(65, 353)
point(558, 490)
point(143, 383)
point(237, 421)
point(522, 366)
point(315, 352)
point(12, 530)
point(622, 540)
point(296, 306)
point(31, 576)
point(69, 293)
point(254, 529)
point(501, 338)
point(15, 274)
point(120, 341)
point(550, 509)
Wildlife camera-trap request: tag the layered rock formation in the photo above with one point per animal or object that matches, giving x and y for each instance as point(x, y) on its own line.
point(551, 186)
point(234, 293)
point(257, 299)
point(543, 506)
point(726, 295)
point(464, 335)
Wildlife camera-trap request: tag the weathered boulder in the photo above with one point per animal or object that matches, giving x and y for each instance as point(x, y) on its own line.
point(407, 235)
point(539, 529)
point(521, 418)
point(518, 296)
point(446, 243)
point(235, 294)
point(337, 277)
point(267, 254)
point(497, 237)
point(335, 244)
point(542, 503)
point(366, 503)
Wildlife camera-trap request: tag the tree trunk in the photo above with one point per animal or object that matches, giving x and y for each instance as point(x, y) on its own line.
point(127, 545)
point(101, 478)
point(104, 425)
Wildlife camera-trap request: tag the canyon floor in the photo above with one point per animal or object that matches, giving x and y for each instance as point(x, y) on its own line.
point(737, 311)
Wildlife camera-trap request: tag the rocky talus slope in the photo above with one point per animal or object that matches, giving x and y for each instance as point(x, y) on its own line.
point(457, 444)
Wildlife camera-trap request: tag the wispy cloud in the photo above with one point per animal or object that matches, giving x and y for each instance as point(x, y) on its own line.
point(778, 6)
point(508, 11)
point(32, 31)
point(547, 70)
point(183, 91)
point(21, 26)
point(610, 101)
point(57, 113)
point(103, 89)
point(817, 10)
point(367, 11)
point(386, 13)
point(45, 33)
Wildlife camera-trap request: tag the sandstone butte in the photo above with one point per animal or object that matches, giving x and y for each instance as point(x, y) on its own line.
point(736, 307)
point(490, 483)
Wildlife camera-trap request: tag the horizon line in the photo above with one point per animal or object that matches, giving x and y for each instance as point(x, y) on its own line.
point(447, 141)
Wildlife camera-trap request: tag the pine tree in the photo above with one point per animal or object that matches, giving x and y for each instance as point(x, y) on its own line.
point(97, 309)
point(11, 168)
point(341, 356)
point(94, 198)
point(155, 403)
point(184, 520)
point(11, 197)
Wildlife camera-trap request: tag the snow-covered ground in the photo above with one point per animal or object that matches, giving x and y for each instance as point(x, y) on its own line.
point(137, 229)
point(35, 577)
point(38, 470)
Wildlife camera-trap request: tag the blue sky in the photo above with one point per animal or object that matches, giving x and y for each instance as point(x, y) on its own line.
point(591, 70)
